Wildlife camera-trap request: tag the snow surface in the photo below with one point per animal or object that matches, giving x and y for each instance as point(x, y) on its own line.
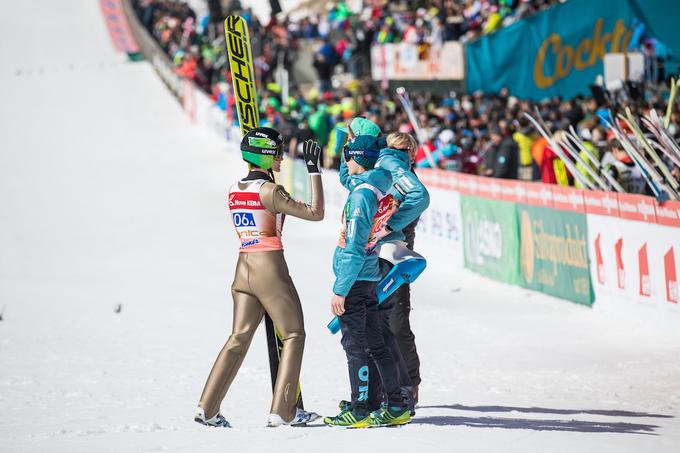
point(109, 196)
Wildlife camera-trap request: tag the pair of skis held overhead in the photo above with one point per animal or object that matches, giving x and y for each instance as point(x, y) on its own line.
point(407, 266)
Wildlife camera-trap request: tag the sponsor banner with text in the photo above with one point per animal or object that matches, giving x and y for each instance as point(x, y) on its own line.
point(490, 238)
point(554, 253)
point(559, 51)
point(440, 229)
point(406, 61)
point(117, 24)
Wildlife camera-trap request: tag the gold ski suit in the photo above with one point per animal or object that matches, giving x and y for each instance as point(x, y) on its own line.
point(262, 284)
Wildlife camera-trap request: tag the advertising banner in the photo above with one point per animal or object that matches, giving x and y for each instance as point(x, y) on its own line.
point(634, 263)
point(554, 253)
point(559, 51)
point(117, 24)
point(490, 238)
point(440, 230)
point(405, 61)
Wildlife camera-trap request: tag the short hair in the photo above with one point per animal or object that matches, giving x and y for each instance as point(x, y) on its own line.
point(402, 140)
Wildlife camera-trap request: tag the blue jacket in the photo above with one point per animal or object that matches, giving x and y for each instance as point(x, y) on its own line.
point(353, 263)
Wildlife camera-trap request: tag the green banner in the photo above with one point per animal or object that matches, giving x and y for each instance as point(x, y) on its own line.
point(285, 176)
point(491, 243)
point(554, 253)
point(301, 189)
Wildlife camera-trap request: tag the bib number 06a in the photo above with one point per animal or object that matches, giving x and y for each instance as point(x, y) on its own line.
point(243, 219)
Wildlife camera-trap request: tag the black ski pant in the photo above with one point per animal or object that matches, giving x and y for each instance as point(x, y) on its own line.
point(400, 325)
point(361, 336)
point(375, 391)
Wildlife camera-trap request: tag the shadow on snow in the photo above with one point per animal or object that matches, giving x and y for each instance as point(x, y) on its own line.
point(543, 410)
point(541, 425)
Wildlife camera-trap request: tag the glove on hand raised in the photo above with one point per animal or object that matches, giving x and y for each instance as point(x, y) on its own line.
point(311, 151)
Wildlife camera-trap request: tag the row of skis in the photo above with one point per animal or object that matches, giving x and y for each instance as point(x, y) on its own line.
point(652, 150)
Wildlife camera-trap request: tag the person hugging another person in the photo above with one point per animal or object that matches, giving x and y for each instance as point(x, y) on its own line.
point(355, 300)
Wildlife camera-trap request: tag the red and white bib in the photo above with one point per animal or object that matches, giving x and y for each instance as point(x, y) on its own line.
point(386, 207)
point(258, 228)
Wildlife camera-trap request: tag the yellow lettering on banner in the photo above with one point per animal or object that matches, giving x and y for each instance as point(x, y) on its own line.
point(584, 46)
point(588, 52)
point(619, 30)
point(564, 61)
point(599, 41)
point(542, 80)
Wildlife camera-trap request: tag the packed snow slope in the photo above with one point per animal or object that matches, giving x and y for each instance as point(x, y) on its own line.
point(116, 257)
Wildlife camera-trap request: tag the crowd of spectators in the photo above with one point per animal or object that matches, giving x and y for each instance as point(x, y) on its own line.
point(485, 134)
point(345, 37)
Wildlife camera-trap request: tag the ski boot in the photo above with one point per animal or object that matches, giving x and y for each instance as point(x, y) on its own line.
point(407, 393)
point(218, 421)
point(389, 417)
point(346, 419)
point(345, 405)
point(302, 417)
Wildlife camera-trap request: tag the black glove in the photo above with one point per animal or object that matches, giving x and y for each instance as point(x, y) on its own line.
point(311, 151)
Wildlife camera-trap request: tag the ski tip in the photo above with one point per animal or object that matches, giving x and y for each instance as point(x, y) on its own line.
point(334, 325)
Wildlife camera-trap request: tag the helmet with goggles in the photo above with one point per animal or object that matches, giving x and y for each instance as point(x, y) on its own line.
point(260, 146)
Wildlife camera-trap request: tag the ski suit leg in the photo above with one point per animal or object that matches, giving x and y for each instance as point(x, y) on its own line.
point(248, 313)
point(401, 327)
point(271, 282)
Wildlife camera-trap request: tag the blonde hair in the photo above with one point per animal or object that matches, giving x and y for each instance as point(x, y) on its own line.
point(403, 141)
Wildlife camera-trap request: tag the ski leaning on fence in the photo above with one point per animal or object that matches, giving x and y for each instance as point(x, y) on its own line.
point(642, 149)
point(245, 91)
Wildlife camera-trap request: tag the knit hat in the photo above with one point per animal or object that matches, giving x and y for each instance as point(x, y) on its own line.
point(363, 126)
point(364, 149)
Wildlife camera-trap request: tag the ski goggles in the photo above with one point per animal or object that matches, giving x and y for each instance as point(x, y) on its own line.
point(349, 154)
point(266, 147)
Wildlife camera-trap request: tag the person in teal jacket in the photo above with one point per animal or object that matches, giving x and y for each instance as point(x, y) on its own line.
point(355, 301)
point(411, 195)
point(352, 262)
point(396, 157)
point(407, 190)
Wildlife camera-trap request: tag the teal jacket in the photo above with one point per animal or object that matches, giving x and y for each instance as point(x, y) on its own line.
point(406, 188)
point(353, 263)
